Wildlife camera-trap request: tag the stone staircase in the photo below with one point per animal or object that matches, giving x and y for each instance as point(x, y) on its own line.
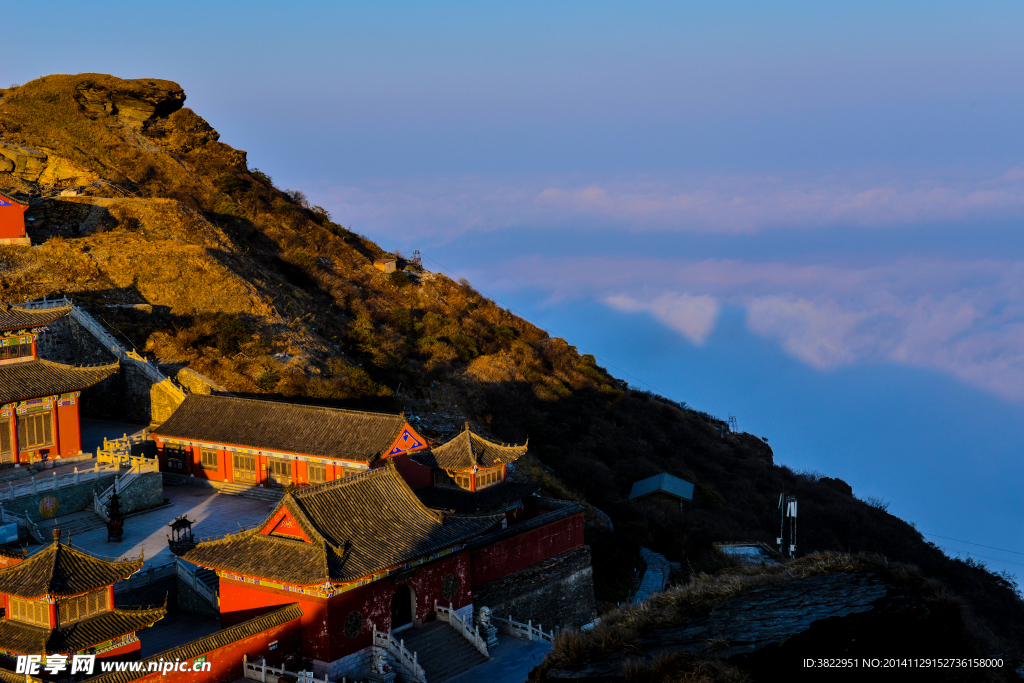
point(209, 577)
point(442, 651)
point(72, 525)
point(271, 495)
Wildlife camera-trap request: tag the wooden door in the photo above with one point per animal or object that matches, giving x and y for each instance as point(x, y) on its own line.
point(6, 441)
point(244, 468)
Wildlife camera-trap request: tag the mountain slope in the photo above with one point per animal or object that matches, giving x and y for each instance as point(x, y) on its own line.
point(264, 293)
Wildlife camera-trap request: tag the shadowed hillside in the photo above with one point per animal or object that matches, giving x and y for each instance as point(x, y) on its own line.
point(137, 202)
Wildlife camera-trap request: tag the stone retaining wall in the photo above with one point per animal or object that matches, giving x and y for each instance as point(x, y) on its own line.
point(69, 499)
point(191, 602)
point(558, 592)
point(146, 491)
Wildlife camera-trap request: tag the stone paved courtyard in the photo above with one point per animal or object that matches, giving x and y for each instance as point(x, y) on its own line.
point(214, 513)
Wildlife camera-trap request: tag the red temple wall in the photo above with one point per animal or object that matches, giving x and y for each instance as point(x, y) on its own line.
point(224, 471)
point(323, 621)
point(226, 662)
point(415, 474)
point(519, 552)
point(243, 601)
point(69, 430)
point(12, 221)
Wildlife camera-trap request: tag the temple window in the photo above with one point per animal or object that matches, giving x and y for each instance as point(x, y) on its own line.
point(11, 351)
point(175, 457)
point(280, 472)
point(35, 431)
point(31, 611)
point(82, 606)
point(485, 478)
point(209, 459)
point(461, 480)
point(317, 473)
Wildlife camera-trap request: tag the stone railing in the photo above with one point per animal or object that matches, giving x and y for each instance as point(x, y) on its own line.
point(462, 625)
point(83, 318)
point(100, 501)
point(119, 451)
point(260, 671)
point(52, 483)
point(409, 661)
point(525, 631)
point(23, 521)
point(146, 576)
point(187, 573)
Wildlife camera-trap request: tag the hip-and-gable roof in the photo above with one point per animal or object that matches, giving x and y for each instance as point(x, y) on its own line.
point(347, 530)
point(286, 427)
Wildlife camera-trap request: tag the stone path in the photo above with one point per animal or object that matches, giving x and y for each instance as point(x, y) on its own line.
point(655, 576)
point(511, 662)
point(214, 513)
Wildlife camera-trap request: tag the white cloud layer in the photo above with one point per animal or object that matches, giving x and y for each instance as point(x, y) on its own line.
point(964, 318)
point(694, 317)
point(727, 204)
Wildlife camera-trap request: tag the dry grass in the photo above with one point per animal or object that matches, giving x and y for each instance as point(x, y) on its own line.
point(621, 629)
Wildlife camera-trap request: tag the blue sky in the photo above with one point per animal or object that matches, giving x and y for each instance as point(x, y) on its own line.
point(807, 215)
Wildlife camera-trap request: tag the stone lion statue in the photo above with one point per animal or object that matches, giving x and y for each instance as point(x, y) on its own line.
point(483, 617)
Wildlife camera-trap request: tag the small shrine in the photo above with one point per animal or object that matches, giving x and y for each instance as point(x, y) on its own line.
point(39, 399)
point(470, 474)
point(60, 601)
point(181, 539)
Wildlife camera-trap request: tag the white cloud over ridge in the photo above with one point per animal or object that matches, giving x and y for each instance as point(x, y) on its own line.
point(694, 317)
point(963, 318)
point(727, 204)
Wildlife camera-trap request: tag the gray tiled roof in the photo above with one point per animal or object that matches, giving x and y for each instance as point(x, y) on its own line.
point(18, 318)
point(288, 427)
point(60, 570)
point(490, 498)
point(38, 378)
point(36, 640)
point(209, 643)
point(468, 449)
point(357, 526)
point(664, 483)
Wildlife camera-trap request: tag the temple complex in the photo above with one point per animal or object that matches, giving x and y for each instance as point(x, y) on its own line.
point(60, 601)
point(364, 552)
point(39, 399)
point(376, 530)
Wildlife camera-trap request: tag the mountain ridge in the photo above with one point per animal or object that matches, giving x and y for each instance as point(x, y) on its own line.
point(199, 260)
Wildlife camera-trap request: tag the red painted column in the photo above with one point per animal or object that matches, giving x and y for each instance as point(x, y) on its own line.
point(55, 420)
point(35, 350)
point(53, 613)
point(110, 597)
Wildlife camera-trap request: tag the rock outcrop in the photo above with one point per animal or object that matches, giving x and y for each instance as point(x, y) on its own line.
point(769, 631)
point(134, 102)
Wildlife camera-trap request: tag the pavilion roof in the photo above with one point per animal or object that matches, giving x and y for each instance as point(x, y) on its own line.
point(20, 318)
point(38, 378)
point(25, 638)
point(490, 498)
point(288, 427)
point(60, 570)
point(469, 449)
point(356, 526)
